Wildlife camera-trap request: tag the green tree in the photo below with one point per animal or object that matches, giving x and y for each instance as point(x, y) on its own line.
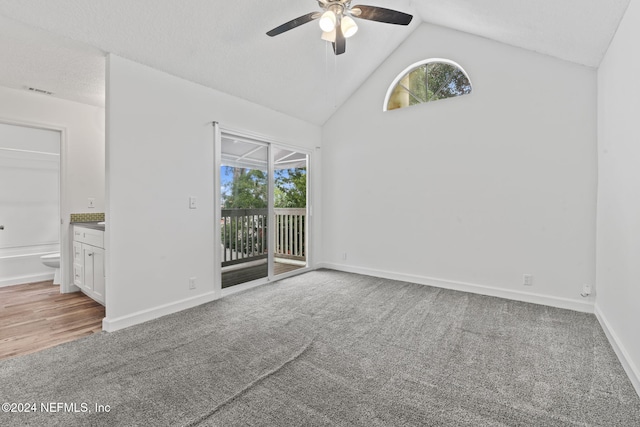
point(436, 80)
point(291, 188)
point(248, 189)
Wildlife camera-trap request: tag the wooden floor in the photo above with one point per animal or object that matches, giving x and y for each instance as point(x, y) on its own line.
point(37, 316)
point(235, 277)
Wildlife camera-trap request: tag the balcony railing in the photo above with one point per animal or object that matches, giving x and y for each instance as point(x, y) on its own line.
point(290, 233)
point(244, 234)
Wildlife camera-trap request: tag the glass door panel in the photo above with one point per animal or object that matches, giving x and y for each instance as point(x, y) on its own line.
point(290, 210)
point(244, 182)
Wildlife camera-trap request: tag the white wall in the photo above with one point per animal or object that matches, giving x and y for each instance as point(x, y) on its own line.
point(160, 152)
point(618, 236)
point(471, 192)
point(82, 129)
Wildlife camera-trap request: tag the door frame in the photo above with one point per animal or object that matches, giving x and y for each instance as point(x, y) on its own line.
point(219, 132)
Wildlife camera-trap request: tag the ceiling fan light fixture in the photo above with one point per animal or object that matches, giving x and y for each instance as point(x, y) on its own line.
point(329, 36)
point(337, 24)
point(348, 26)
point(328, 21)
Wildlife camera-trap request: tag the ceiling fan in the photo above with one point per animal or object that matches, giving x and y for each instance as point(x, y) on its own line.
point(337, 24)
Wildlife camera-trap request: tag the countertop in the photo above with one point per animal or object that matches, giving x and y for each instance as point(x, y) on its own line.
point(93, 225)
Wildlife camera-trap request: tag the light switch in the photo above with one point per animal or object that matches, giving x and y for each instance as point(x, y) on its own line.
point(192, 203)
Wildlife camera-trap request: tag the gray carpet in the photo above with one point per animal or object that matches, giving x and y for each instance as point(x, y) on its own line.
point(329, 348)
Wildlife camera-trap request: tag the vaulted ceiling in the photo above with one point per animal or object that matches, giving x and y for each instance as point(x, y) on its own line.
point(59, 46)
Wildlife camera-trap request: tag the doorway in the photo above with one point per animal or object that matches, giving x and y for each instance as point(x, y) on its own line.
point(263, 210)
point(31, 205)
point(30, 201)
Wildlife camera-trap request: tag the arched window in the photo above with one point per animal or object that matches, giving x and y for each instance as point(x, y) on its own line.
point(426, 81)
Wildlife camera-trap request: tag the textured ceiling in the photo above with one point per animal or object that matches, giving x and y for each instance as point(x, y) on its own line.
point(34, 58)
point(59, 45)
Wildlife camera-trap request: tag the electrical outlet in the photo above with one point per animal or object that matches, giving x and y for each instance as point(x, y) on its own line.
point(92, 202)
point(344, 256)
point(586, 290)
point(193, 203)
point(192, 283)
point(527, 280)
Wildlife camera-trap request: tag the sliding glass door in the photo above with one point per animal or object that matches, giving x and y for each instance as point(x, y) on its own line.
point(263, 199)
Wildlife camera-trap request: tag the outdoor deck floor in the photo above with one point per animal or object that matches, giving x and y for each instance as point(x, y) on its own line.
point(235, 277)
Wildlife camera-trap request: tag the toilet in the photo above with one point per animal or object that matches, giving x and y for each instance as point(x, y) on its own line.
point(53, 261)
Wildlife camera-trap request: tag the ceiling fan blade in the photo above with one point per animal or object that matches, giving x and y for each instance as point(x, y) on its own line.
point(380, 14)
point(294, 23)
point(340, 45)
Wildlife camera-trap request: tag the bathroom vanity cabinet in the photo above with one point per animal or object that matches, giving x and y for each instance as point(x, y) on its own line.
point(88, 261)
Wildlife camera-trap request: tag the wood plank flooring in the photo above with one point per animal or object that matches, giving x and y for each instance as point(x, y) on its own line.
point(36, 316)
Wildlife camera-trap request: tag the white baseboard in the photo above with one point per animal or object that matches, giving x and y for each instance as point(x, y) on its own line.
point(33, 278)
point(111, 325)
point(625, 360)
point(576, 305)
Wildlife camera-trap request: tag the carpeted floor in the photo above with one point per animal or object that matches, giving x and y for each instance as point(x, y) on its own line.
point(332, 348)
